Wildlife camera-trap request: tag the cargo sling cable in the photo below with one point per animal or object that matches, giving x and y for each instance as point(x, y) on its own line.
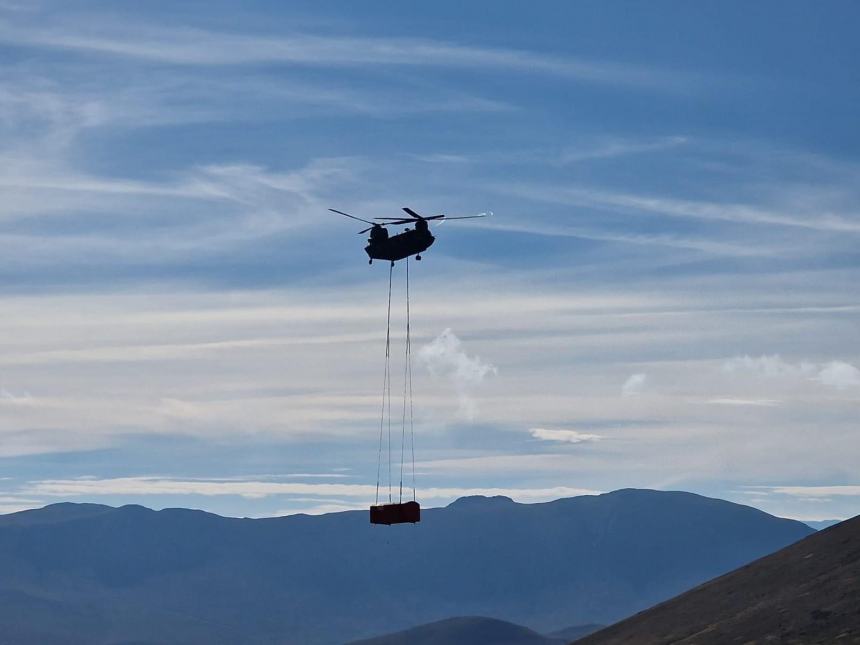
point(396, 513)
point(386, 397)
point(407, 396)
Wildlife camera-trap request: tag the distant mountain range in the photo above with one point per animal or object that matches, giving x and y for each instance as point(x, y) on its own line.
point(477, 630)
point(84, 573)
point(808, 592)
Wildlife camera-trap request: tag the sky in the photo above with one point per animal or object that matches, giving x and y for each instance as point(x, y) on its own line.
point(665, 296)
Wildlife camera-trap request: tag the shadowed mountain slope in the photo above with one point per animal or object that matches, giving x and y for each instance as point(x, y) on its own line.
point(466, 630)
point(477, 630)
point(97, 575)
point(808, 592)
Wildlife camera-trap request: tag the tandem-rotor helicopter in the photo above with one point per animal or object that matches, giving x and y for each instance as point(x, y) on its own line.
point(382, 246)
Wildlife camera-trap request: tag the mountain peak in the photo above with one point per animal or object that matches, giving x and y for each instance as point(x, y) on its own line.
point(481, 501)
point(464, 630)
point(59, 512)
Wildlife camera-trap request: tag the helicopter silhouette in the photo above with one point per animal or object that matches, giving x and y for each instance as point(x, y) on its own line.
point(382, 246)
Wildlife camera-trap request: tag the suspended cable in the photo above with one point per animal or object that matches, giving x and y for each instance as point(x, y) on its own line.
point(409, 372)
point(386, 396)
point(407, 394)
point(408, 512)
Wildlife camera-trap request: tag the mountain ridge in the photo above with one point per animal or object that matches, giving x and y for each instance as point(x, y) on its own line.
point(477, 630)
point(331, 578)
point(464, 630)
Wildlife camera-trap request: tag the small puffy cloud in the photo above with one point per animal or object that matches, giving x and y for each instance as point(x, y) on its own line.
point(633, 385)
point(767, 366)
point(840, 375)
point(444, 357)
point(15, 398)
point(564, 436)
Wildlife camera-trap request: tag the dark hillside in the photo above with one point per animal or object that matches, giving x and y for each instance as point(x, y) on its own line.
point(808, 592)
point(466, 630)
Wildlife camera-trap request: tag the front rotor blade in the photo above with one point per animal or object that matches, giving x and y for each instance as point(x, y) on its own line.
point(350, 216)
point(374, 226)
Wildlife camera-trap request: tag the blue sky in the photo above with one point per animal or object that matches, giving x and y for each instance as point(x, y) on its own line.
point(666, 295)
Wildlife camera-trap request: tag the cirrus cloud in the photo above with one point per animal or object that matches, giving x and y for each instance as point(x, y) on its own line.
point(563, 436)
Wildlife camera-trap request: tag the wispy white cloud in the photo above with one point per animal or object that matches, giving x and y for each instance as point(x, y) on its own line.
point(8, 397)
point(634, 385)
point(320, 508)
point(733, 401)
point(739, 213)
point(19, 5)
point(191, 46)
point(712, 246)
point(18, 507)
point(617, 147)
point(836, 374)
point(811, 491)
point(563, 436)
point(20, 438)
point(256, 489)
point(771, 366)
point(167, 486)
point(497, 464)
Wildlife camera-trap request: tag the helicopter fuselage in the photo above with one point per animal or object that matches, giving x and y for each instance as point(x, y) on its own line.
point(381, 246)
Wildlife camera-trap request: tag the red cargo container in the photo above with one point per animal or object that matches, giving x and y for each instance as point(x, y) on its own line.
point(409, 512)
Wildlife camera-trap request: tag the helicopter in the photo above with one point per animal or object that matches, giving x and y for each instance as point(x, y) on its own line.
point(382, 246)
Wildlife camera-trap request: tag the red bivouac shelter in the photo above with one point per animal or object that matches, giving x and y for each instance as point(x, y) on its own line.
point(408, 512)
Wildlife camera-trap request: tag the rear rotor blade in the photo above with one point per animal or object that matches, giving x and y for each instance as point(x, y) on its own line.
point(350, 216)
point(484, 214)
point(412, 212)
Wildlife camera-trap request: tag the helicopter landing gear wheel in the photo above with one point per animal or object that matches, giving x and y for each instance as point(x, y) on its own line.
point(370, 261)
point(418, 257)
